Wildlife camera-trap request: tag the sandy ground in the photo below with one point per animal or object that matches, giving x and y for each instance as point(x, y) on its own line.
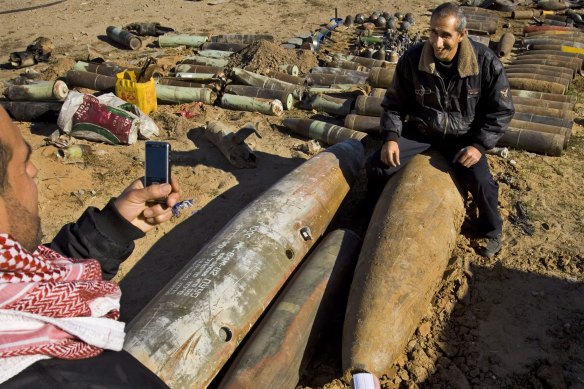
point(517, 321)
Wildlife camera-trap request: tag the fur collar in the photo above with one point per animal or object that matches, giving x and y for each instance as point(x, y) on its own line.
point(467, 59)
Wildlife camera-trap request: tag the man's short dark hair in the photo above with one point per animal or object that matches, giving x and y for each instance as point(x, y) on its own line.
point(5, 156)
point(446, 10)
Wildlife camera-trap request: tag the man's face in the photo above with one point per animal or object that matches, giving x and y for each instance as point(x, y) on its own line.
point(444, 37)
point(19, 203)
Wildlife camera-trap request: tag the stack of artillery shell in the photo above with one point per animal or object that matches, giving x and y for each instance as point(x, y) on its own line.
point(367, 114)
point(204, 313)
point(322, 131)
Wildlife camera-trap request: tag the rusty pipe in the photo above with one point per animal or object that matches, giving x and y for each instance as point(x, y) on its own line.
point(190, 329)
point(322, 131)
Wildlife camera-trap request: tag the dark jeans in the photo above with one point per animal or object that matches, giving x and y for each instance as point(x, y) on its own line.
point(108, 370)
point(477, 179)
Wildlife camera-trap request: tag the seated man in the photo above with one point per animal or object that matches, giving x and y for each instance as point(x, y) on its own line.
point(57, 314)
point(452, 94)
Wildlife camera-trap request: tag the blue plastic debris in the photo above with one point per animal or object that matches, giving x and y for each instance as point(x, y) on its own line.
point(180, 206)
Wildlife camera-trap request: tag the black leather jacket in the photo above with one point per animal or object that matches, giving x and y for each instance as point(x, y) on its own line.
point(476, 107)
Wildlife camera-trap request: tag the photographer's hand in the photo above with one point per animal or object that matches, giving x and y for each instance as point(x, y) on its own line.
point(136, 203)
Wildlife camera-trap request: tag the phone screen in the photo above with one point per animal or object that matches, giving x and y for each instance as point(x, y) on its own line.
point(157, 163)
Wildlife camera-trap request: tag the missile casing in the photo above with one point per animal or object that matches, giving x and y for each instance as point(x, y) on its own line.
point(188, 68)
point(182, 82)
point(38, 91)
point(200, 60)
point(338, 90)
point(253, 91)
point(241, 38)
point(534, 118)
point(29, 111)
point(405, 251)
point(367, 124)
point(545, 96)
point(252, 104)
point(539, 127)
point(381, 77)
point(89, 80)
point(532, 42)
point(368, 62)
point(534, 141)
point(124, 37)
point(556, 47)
point(329, 104)
point(322, 131)
point(273, 356)
point(530, 101)
point(170, 94)
point(525, 14)
point(197, 77)
point(369, 106)
point(296, 80)
point(543, 111)
point(537, 85)
point(190, 329)
point(99, 68)
point(331, 70)
point(174, 40)
point(222, 46)
point(253, 79)
point(505, 44)
point(324, 79)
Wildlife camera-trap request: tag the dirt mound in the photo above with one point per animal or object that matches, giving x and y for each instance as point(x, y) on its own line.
point(262, 56)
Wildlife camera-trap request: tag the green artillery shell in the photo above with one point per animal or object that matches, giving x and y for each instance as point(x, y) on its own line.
point(29, 111)
point(544, 96)
point(252, 104)
point(541, 110)
point(534, 141)
point(369, 62)
point(253, 79)
point(188, 68)
point(237, 152)
point(215, 53)
point(331, 70)
point(537, 86)
point(200, 60)
point(369, 106)
point(324, 79)
point(173, 40)
point(99, 68)
point(505, 44)
point(287, 78)
point(197, 77)
point(378, 92)
point(168, 94)
point(182, 82)
point(332, 105)
point(39, 91)
point(240, 38)
point(290, 69)
point(342, 89)
point(368, 124)
point(253, 91)
point(89, 80)
point(322, 131)
point(222, 46)
point(524, 125)
point(124, 37)
point(347, 65)
point(381, 77)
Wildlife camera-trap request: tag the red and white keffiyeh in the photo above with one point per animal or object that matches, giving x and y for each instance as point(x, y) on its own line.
point(53, 306)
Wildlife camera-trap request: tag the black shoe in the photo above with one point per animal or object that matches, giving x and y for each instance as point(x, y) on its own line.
point(493, 246)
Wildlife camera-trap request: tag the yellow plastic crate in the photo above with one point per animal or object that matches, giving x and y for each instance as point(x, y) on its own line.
point(142, 94)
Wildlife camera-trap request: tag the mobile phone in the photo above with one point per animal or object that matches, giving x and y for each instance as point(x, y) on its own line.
point(157, 164)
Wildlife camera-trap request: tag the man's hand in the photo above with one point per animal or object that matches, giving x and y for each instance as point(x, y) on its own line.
point(136, 203)
point(390, 153)
point(467, 156)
